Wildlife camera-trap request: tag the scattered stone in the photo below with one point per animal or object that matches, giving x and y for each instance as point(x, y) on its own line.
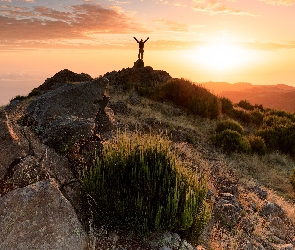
point(227, 185)
point(247, 225)
point(286, 247)
point(228, 210)
point(262, 194)
point(168, 240)
point(271, 210)
point(278, 228)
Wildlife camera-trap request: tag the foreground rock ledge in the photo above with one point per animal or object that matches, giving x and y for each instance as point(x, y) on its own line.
point(39, 217)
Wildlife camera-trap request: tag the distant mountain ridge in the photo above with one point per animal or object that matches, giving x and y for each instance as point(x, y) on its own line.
point(280, 96)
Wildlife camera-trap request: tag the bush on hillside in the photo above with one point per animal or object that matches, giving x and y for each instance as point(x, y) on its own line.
point(194, 99)
point(244, 104)
point(242, 115)
point(282, 114)
point(226, 106)
point(229, 124)
point(232, 141)
point(139, 184)
point(257, 145)
point(257, 117)
point(279, 137)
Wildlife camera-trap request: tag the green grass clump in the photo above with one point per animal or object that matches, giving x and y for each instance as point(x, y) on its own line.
point(229, 124)
point(138, 183)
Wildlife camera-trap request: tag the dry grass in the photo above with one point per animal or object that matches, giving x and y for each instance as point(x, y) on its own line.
point(287, 205)
point(271, 170)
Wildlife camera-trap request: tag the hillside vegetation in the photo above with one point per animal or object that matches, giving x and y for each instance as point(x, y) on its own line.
point(153, 154)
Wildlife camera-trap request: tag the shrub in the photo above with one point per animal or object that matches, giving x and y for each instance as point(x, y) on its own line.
point(232, 141)
point(279, 137)
point(139, 184)
point(229, 124)
point(257, 117)
point(242, 115)
point(257, 145)
point(244, 104)
point(226, 106)
point(194, 99)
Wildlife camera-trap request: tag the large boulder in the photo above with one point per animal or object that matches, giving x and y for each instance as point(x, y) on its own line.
point(39, 217)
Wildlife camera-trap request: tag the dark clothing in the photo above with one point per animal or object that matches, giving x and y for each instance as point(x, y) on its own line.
point(141, 45)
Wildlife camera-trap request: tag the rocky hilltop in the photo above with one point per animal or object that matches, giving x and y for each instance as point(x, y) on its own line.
point(48, 137)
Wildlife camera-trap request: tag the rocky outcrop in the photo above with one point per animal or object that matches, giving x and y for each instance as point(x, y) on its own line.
point(39, 217)
point(138, 75)
point(63, 76)
point(65, 115)
point(139, 64)
point(43, 139)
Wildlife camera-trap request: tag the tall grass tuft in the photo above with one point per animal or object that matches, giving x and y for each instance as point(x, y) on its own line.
point(138, 183)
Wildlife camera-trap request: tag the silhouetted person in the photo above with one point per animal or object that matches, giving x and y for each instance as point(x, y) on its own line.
point(141, 47)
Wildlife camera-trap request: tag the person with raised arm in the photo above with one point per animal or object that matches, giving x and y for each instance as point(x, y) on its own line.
point(141, 47)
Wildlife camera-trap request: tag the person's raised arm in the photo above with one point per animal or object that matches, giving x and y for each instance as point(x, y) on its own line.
point(146, 39)
point(136, 39)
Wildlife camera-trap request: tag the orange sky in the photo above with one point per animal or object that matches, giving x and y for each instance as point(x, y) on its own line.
point(222, 40)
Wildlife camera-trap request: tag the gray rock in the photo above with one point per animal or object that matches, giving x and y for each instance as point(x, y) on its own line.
point(278, 228)
point(286, 247)
point(39, 217)
point(247, 225)
point(271, 210)
point(262, 194)
point(167, 240)
point(228, 210)
point(67, 114)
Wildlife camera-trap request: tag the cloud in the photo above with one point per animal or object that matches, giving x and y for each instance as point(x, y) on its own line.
point(269, 46)
point(279, 2)
point(78, 22)
point(214, 8)
point(172, 26)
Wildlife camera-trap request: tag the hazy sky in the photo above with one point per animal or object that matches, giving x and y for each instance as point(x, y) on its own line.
point(223, 40)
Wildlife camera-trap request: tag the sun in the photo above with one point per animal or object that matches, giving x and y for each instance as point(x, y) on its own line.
point(221, 56)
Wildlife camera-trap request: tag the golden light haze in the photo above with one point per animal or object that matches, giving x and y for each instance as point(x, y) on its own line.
point(222, 40)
